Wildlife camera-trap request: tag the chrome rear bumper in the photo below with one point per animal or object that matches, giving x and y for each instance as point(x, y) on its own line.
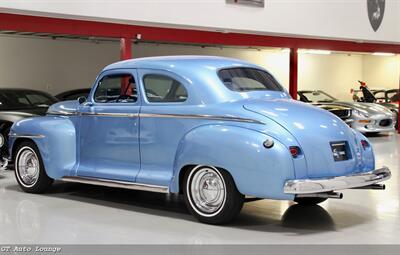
point(310, 186)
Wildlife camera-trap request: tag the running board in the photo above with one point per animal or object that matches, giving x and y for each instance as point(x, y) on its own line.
point(116, 184)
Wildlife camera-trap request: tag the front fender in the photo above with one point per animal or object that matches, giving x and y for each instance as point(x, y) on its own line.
point(257, 171)
point(55, 138)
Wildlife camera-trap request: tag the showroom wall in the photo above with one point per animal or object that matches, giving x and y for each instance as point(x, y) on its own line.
point(381, 72)
point(336, 73)
point(334, 18)
point(69, 64)
point(52, 65)
point(275, 60)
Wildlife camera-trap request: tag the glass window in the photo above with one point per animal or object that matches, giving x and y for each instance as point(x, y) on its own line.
point(119, 88)
point(248, 79)
point(24, 99)
point(316, 97)
point(161, 88)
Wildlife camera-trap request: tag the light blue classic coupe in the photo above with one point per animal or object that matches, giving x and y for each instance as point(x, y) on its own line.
point(219, 131)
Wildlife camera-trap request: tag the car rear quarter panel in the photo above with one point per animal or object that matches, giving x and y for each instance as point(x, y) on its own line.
point(257, 171)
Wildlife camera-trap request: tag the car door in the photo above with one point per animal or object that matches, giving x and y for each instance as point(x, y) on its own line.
point(109, 128)
point(165, 101)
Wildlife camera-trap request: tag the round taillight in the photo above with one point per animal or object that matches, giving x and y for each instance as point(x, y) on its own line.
point(294, 150)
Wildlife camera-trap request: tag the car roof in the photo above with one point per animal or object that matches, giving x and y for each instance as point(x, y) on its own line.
point(181, 62)
point(22, 89)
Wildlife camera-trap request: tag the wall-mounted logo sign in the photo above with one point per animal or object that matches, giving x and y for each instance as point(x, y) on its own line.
point(376, 10)
point(257, 3)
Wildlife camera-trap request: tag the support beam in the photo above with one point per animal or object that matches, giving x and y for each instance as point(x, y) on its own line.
point(27, 23)
point(293, 68)
point(125, 48)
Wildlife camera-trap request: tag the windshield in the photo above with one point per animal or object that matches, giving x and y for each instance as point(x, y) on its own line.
point(248, 79)
point(24, 99)
point(393, 96)
point(316, 97)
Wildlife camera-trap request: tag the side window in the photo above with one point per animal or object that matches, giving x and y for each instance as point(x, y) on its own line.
point(120, 88)
point(161, 88)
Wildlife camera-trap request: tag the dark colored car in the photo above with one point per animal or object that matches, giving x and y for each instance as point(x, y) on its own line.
point(17, 104)
point(73, 94)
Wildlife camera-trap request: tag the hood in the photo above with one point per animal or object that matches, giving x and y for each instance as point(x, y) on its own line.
point(64, 107)
point(314, 129)
point(14, 116)
point(369, 108)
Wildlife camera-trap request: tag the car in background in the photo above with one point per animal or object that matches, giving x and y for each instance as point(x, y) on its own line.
point(386, 97)
point(364, 117)
point(212, 129)
point(73, 94)
point(18, 104)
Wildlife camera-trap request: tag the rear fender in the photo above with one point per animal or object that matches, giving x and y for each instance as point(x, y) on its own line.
point(256, 170)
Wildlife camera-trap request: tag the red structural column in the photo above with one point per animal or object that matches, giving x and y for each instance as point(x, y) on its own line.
point(126, 48)
point(293, 67)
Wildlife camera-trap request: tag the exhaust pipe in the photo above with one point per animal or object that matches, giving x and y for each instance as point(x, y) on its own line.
point(373, 186)
point(323, 195)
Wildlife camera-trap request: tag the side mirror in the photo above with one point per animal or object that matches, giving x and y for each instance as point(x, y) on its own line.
point(81, 100)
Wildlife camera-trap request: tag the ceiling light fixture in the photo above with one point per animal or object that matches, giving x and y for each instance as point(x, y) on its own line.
point(387, 54)
point(320, 52)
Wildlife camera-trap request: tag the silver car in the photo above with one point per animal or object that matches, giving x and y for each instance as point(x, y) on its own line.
point(364, 117)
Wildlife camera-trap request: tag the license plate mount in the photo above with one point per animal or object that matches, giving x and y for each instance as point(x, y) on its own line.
point(339, 151)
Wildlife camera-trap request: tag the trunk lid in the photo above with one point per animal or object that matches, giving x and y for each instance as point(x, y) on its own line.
point(318, 133)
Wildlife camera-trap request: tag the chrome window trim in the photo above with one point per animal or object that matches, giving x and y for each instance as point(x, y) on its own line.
point(116, 184)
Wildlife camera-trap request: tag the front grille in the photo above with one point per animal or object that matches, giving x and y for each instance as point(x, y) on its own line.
point(385, 122)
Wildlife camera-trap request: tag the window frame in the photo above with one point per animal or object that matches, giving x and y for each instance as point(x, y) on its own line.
point(116, 72)
point(160, 73)
point(249, 67)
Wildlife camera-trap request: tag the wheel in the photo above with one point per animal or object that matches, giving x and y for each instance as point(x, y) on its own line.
point(211, 195)
point(308, 201)
point(29, 169)
point(4, 140)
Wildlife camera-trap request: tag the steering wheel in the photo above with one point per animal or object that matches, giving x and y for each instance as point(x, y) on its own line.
point(125, 97)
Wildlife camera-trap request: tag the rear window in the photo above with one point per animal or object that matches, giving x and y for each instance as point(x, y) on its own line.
point(248, 79)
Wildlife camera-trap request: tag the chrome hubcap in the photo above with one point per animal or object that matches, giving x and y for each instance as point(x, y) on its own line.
point(28, 167)
point(208, 190)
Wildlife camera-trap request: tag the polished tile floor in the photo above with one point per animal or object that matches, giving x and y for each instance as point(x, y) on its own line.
point(79, 214)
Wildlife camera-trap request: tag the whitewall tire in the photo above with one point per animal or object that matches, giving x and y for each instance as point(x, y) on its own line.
point(211, 195)
point(29, 169)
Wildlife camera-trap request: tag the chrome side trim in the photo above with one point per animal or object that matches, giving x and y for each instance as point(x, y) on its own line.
point(62, 113)
point(198, 116)
point(161, 115)
point(116, 184)
point(110, 114)
point(26, 135)
point(309, 186)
